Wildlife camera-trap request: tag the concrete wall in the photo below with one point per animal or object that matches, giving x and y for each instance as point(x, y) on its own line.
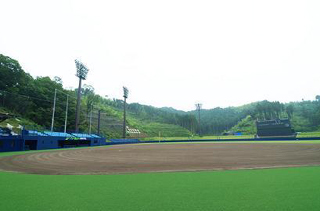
point(11, 143)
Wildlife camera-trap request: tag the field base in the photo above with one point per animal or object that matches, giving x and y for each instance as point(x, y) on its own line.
point(142, 158)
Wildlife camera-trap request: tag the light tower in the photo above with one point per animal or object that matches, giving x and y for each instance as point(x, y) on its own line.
point(125, 96)
point(198, 108)
point(82, 72)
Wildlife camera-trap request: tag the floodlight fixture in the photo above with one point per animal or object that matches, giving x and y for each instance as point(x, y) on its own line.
point(125, 92)
point(198, 106)
point(82, 70)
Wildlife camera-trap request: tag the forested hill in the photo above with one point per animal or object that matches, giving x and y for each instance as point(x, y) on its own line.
point(32, 99)
point(304, 115)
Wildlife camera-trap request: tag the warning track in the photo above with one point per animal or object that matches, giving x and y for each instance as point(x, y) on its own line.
point(138, 158)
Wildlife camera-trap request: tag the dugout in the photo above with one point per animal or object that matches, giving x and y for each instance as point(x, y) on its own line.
point(54, 140)
point(30, 144)
point(74, 143)
point(11, 143)
point(40, 140)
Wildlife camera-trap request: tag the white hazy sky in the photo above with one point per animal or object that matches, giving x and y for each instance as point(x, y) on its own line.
point(169, 52)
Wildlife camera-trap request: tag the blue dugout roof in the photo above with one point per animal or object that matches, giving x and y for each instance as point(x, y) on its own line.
point(84, 135)
point(36, 133)
point(58, 134)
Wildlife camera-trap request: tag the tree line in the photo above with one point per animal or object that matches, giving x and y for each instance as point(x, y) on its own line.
point(32, 98)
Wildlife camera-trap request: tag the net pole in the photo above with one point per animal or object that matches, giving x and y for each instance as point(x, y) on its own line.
point(54, 109)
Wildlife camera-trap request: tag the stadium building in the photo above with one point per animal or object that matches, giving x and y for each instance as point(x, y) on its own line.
point(36, 140)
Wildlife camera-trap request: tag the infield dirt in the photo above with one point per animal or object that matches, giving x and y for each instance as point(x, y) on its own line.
point(139, 158)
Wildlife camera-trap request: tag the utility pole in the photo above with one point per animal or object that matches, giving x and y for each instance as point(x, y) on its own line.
point(99, 113)
point(125, 96)
point(54, 108)
point(66, 117)
point(90, 119)
point(198, 107)
point(82, 72)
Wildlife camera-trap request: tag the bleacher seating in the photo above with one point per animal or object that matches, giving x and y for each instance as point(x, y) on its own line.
point(57, 134)
point(36, 133)
point(61, 134)
point(95, 136)
point(124, 141)
point(83, 135)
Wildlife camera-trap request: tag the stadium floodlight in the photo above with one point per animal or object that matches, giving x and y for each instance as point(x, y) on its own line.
point(125, 96)
point(82, 72)
point(198, 108)
point(125, 92)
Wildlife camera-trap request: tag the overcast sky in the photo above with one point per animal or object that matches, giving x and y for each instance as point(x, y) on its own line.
point(171, 53)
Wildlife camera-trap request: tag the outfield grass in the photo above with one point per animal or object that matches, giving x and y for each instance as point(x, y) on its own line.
point(268, 189)
point(196, 138)
point(300, 135)
point(244, 142)
point(309, 134)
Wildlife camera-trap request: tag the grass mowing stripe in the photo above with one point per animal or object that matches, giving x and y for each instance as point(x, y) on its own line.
point(268, 189)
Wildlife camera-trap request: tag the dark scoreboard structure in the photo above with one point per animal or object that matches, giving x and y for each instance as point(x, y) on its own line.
point(275, 128)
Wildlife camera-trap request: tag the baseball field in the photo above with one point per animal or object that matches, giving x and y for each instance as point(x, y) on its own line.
point(195, 176)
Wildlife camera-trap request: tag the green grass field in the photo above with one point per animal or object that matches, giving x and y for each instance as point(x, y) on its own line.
point(300, 135)
point(267, 189)
point(196, 138)
point(244, 141)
